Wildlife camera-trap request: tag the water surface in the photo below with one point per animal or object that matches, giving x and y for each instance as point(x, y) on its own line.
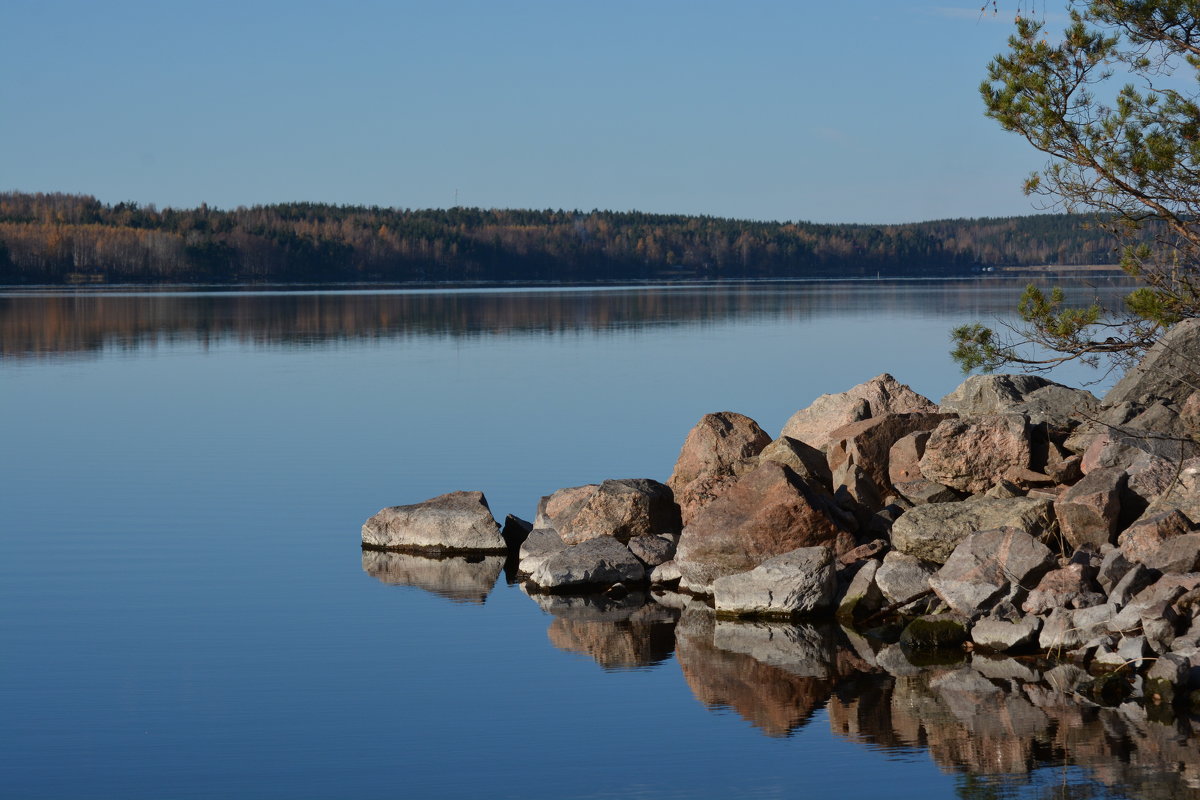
point(186, 611)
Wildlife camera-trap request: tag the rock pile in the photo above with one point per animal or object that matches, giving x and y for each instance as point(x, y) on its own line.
point(1016, 516)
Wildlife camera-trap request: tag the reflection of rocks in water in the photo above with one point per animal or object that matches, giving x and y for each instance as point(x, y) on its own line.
point(463, 579)
point(1006, 724)
point(720, 662)
point(589, 607)
point(644, 638)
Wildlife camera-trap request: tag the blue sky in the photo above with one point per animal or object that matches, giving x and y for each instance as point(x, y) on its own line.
point(852, 111)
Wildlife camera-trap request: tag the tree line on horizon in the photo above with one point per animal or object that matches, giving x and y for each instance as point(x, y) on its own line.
point(57, 238)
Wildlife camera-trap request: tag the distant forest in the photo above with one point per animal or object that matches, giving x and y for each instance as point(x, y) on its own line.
point(60, 238)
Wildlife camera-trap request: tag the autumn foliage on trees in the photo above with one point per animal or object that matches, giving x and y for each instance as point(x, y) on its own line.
point(52, 238)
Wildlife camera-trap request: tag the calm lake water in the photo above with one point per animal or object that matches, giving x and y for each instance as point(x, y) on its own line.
point(186, 611)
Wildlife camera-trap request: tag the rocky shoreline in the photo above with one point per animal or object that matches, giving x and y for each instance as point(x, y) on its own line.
point(1017, 517)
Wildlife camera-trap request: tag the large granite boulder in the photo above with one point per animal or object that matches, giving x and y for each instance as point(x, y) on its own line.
point(971, 455)
point(719, 447)
point(985, 565)
point(597, 562)
point(1088, 512)
point(1167, 371)
point(867, 444)
point(767, 512)
point(449, 523)
point(797, 583)
point(621, 509)
point(1040, 400)
point(882, 394)
point(931, 532)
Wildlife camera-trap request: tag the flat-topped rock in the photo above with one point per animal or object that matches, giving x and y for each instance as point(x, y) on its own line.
point(597, 562)
point(454, 522)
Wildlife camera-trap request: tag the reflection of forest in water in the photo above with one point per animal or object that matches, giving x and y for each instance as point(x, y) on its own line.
point(999, 723)
point(39, 324)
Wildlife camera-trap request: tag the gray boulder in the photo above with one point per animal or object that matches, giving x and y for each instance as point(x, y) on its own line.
point(654, 548)
point(1168, 370)
point(931, 532)
point(985, 564)
point(902, 576)
point(602, 561)
point(862, 597)
point(449, 523)
point(539, 544)
point(796, 583)
point(1041, 400)
point(1003, 636)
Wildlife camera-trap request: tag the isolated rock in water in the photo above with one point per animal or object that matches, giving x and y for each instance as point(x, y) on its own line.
point(768, 512)
point(455, 522)
point(540, 544)
point(796, 583)
point(806, 461)
point(602, 561)
point(882, 394)
point(985, 564)
point(1088, 512)
point(719, 444)
point(867, 444)
point(621, 509)
point(1042, 401)
point(932, 532)
point(463, 579)
point(1168, 370)
point(971, 455)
